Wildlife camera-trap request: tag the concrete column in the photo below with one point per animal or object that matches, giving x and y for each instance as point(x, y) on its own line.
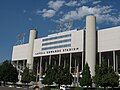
point(90, 46)
point(64, 63)
point(75, 64)
point(40, 74)
point(55, 62)
point(50, 60)
point(37, 72)
point(59, 59)
point(77, 74)
point(32, 36)
point(41, 66)
point(116, 63)
point(82, 60)
point(23, 64)
point(108, 62)
point(100, 58)
point(45, 65)
point(17, 66)
point(114, 60)
point(70, 61)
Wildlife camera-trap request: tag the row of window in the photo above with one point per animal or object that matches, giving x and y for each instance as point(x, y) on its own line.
point(58, 46)
point(57, 37)
point(56, 42)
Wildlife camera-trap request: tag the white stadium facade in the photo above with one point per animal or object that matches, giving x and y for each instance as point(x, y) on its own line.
point(73, 48)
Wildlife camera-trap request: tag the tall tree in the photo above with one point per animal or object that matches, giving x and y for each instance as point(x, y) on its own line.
point(105, 76)
point(59, 75)
point(86, 77)
point(113, 78)
point(27, 77)
point(8, 73)
point(67, 76)
point(97, 77)
point(63, 76)
point(49, 76)
point(101, 75)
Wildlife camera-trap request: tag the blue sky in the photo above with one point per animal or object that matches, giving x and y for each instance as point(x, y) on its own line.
point(50, 16)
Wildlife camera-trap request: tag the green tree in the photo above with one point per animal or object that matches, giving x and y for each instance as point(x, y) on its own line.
point(97, 77)
point(112, 77)
point(59, 75)
point(67, 76)
point(27, 76)
point(8, 73)
point(101, 75)
point(49, 76)
point(105, 76)
point(63, 76)
point(86, 77)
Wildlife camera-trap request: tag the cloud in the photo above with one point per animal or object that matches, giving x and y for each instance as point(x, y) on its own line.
point(48, 13)
point(56, 5)
point(108, 19)
point(30, 19)
point(72, 3)
point(77, 2)
point(79, 13)
point(39, 12)
point(103, 14)
point(53, 7)
point(96, 2)
point(24, 11)
point(85, 1)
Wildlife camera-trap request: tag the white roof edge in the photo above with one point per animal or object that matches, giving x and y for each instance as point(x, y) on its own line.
point(20, 45)
point(109, 28)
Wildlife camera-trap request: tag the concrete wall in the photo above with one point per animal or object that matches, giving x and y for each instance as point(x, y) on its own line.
point(109, 39)
point(20, 52)
point(76, 42)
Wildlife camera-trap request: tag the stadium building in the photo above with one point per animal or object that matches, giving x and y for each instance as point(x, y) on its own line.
point(73, 48)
